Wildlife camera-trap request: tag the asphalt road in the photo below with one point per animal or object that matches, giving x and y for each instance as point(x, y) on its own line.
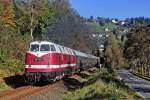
point(136, 83)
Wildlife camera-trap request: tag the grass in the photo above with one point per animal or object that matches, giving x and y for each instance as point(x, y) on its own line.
point(3, 85)
point(104, 87)
point(96, 27)
point(8, 72)
point(9, 66)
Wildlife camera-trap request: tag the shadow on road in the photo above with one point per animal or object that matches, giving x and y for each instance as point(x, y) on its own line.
point(142, 89)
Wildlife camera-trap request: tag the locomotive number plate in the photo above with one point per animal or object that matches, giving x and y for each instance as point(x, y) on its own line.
point(38, 59)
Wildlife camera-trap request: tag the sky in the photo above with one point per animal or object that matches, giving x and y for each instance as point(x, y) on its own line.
point(112, 8)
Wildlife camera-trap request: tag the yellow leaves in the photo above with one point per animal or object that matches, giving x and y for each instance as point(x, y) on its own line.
point(2, 73)
point(114, 52)
point(7, 13)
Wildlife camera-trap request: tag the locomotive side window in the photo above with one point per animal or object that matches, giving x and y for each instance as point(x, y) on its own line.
point(68, 51)
point(45, 47)
point(34, 47)
point(52, 48)
point(63, 49)
point(60, 49)
point(74, 53)
point(71, 52)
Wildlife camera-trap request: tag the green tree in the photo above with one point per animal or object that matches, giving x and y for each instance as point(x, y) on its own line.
point(138, 49)
point(34, 16)
point(114, 52)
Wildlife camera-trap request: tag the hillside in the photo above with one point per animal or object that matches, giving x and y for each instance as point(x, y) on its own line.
point(52, 21)
point(94, 26)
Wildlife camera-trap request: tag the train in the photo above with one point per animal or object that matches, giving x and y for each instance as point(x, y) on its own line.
point(48, 61)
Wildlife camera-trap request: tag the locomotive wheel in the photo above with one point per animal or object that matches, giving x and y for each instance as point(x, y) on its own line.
point(54, 80)
point(30, 79)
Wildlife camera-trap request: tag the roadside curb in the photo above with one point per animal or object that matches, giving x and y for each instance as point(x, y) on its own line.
point(139, 94)
point(143, 77)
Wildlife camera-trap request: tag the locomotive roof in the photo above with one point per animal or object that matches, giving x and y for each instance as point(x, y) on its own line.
point(76, 52)
point(42, 42)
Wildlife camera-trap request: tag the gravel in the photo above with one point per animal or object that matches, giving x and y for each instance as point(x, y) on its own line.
point(56, 94)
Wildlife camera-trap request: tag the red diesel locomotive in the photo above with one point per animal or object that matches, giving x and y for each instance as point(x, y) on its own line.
point(48, 61)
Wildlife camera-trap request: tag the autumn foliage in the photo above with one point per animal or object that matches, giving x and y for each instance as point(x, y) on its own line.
point(114, 53)
point(7, 14)
point(22, 21)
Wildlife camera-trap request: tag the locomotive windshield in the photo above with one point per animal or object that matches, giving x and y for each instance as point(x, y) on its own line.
point(42, 47)
point(45, 47)
point(34, 47)
point(52, 48)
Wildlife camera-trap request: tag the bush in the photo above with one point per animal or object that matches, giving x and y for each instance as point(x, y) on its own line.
point(9, 65)
point(3, 56)
point(103, 89)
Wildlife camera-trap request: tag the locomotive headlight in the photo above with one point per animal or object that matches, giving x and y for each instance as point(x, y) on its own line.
point(27, 66)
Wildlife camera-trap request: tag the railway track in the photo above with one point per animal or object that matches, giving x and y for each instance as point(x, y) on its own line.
point(22, 92)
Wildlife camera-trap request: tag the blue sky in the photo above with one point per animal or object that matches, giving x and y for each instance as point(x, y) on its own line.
point(112, 8)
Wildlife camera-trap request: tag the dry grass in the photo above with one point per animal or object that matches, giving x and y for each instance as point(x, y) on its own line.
point(106, 87)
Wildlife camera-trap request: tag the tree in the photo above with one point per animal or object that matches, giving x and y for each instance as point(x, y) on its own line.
point(114, 53)
point(69, 27)
point(138, 49)
point(34, 16)
point(41, 14)
point(101, 21)
point(7, 13)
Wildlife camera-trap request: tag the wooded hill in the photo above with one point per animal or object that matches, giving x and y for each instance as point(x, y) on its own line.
point(138, 49)
point(22, 21)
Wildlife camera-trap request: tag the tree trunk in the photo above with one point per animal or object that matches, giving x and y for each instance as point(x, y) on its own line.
point(113, 63)
point(31, 33)
point(31, 24)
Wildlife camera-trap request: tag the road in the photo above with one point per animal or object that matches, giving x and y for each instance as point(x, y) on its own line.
point(136, 83)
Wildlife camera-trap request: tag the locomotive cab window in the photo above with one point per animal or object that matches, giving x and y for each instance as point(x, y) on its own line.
point(45, 47)
point(34, 47)
point(52, 48)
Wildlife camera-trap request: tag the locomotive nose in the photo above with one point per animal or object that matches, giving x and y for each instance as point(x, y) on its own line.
point(37, 58)
point(38, 54)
